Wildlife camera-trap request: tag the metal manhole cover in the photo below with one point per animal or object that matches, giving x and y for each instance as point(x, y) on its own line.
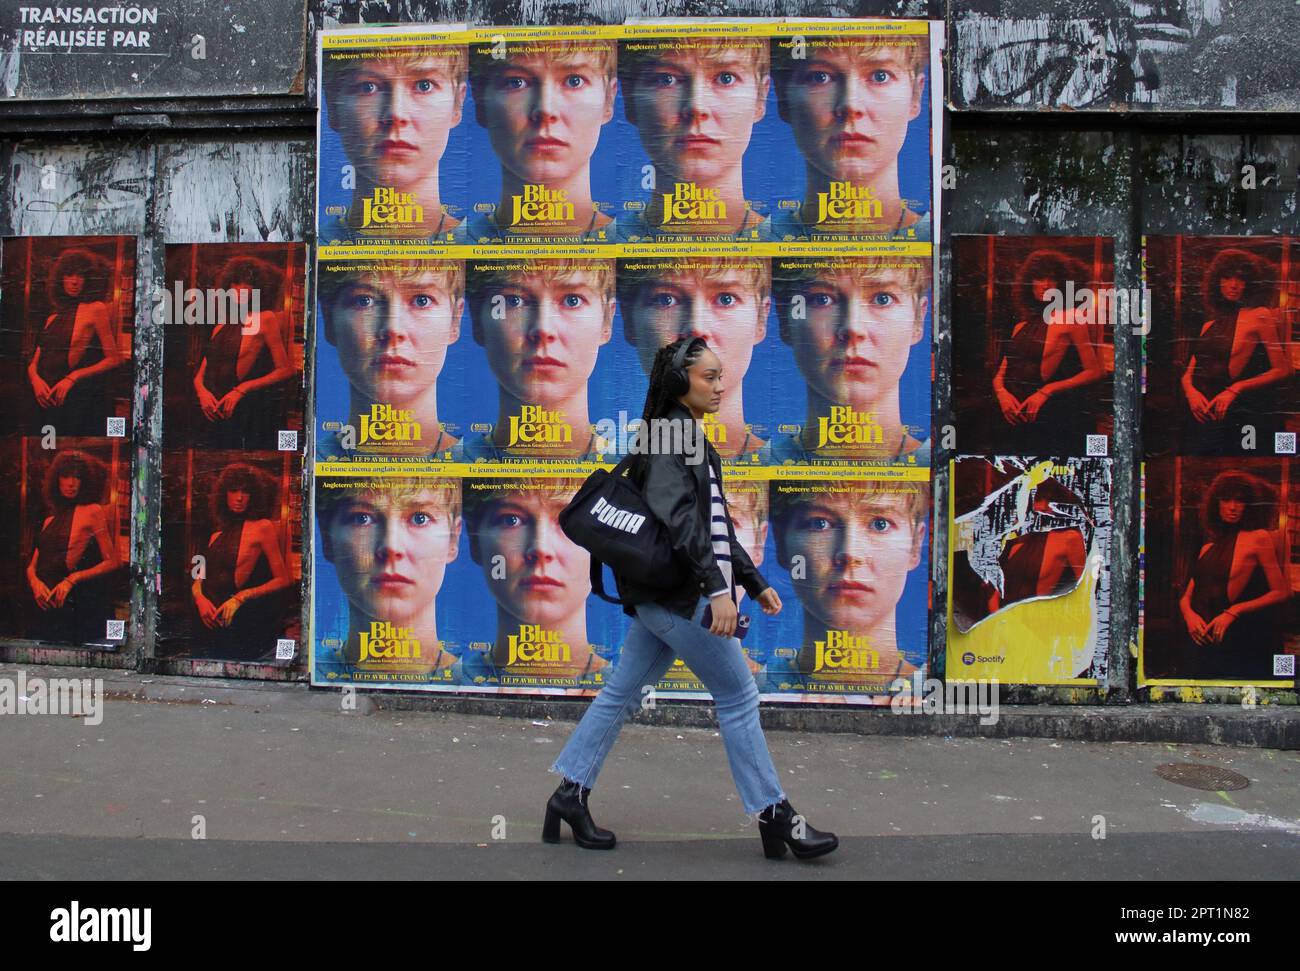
point(1211, 778)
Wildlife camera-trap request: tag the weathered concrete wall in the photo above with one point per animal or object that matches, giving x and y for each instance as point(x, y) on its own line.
point(1176, 55)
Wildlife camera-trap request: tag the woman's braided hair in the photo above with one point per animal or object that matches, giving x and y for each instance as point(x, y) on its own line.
point(658, 398)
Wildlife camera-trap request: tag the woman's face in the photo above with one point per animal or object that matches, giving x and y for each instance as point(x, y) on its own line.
point(237, 500)
point(69, 485)
point(705, 394)
point(1232, 287)
point(1231, 510)
point(1041, 285)
point(73, 284)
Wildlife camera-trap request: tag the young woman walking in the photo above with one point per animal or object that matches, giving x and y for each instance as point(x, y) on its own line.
point(686, 384)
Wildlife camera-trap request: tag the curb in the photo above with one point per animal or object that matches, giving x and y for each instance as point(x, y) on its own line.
point(1262, 726)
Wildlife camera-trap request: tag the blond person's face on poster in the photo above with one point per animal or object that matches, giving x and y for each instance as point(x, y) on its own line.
point(542, 335)
point(695, 111)
point(751, 533)
point(727, 312)
point(850, 109)
point(394, 117)
point(547, 577)
point(392, 334)
point(391, 551)
point(857, 551)
point(544, 116)
point(853, 344)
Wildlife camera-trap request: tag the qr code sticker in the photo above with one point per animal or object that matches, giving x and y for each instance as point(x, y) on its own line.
point(116, 630)
point(287, 441)
point(1284, 665)
point(116, 428)
point(285, 647)
point(1097, 446)
point(1284, 443)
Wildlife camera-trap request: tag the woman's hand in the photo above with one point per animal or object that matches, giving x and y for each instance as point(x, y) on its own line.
point(60, 593)
point(40, 591)
point(229, 402)
point(1010, 407)
point(1195, 625)
point(770, 601)
point(1029, 410)
point(39, 388)
point(724, 615)
point(1221, 403)
point(60, 391)
point(1218, 627)
point(208, 403)
point(1199, 404)
point(207, 612)
point(226, 612)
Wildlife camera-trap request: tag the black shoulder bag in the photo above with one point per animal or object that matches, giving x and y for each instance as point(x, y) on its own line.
point(609, 518)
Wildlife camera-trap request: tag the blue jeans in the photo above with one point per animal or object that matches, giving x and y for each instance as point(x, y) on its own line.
point(655, 637)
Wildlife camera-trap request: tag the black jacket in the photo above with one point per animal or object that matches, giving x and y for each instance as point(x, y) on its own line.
point(678, 494)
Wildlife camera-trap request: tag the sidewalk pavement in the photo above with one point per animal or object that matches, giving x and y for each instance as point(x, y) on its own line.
point(284, 784)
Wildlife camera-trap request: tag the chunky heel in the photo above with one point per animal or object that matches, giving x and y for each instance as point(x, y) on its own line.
point(570, 804)
point(780, 827)
point(773, 845)
point(551, 826)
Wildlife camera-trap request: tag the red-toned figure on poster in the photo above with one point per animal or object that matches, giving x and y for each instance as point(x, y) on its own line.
point(1239, 355)
point(244, 359)
point(243, 567)
point(74, 552)
point(1048, 357)
point(76, 347)
point(1041, 562)
point(1230, 604)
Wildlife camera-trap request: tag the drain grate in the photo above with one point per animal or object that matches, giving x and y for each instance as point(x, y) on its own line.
point(1211, 778)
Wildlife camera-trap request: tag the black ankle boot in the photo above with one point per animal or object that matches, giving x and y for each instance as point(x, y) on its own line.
point(777, 826)
point(569, 802)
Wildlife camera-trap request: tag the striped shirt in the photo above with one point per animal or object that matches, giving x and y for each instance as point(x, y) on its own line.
point(718, 531)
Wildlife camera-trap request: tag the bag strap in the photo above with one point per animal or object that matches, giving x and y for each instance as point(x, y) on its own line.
point(625, 464)
point(598, 582)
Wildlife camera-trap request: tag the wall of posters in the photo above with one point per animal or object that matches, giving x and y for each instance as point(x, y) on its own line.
point(515, 221)
point(232, 322)
point(66, 325)
point(1029, 570)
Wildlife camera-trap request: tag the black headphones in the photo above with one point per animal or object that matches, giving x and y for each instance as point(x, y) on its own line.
point(677, 382)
